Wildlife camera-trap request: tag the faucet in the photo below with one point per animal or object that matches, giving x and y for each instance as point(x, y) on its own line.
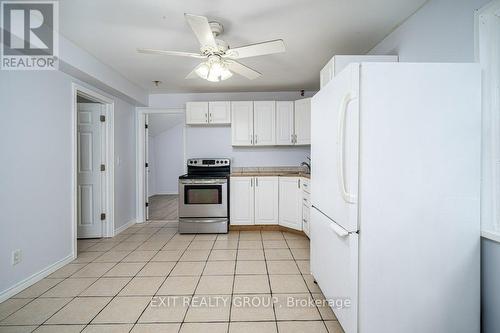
point(308, 165)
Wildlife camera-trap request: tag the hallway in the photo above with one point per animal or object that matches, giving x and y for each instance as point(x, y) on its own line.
point(163, 208)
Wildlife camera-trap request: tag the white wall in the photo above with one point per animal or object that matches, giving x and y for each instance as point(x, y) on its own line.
point(36, 178)
point(125, 163)
point(167, 156)
point(215, 141)
point(441, 31)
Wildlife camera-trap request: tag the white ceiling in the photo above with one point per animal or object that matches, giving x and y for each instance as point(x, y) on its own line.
point(313, 31)
point(159, 123)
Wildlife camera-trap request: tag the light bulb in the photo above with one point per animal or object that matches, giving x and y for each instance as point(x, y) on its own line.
point(203, 70)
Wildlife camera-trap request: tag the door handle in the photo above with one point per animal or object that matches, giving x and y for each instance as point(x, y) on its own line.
point(348, 197)
point(341, 232)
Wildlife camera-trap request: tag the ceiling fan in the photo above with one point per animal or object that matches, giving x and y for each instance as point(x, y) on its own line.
point(219, 58)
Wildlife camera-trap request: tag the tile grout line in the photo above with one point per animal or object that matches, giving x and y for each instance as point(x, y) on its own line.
point(112, 297)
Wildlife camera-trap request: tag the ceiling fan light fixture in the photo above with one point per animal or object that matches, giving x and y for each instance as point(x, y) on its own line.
point(213, 71)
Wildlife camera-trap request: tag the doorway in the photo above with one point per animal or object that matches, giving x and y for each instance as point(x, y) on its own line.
point(161, 160)
point(93, 164)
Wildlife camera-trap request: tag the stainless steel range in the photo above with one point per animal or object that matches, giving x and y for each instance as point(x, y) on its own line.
point(203, 196)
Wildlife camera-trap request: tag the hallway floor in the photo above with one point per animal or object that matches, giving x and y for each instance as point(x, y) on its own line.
point(149, 278)
point(163, 207)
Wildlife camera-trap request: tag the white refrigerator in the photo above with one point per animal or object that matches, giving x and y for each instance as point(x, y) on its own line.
point(395, 224)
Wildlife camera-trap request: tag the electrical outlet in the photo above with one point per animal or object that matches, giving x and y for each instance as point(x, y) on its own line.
point(16, 257)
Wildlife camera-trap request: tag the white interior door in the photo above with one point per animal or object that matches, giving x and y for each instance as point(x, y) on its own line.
point(264, 117)
point(90, 155)
point(242, 123)
point(334, 148)
point(266, 200)
point(284, 123)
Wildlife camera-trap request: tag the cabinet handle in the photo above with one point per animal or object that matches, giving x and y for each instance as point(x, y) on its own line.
point(255, 138)
point(251, 182)
point(210, 116)
point(298, 183)
point(291, 138)
point(206, 117)
point(256, 182)
point(251, 139)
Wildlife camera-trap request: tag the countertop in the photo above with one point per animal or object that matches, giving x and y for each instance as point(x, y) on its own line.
point(270, 173)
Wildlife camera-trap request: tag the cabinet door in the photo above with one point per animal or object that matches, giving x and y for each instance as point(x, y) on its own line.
point(219, 112)
point(266, 200)
point(290, 202)
point(284, 123)
point(242, 123)
point(303, 121)
point(242, 200)
point(326, 74)
point(264, 123)
point(196, 113)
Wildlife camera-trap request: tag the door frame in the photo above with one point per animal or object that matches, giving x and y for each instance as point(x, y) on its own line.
point(487, 54)
point(108, 146)
point(142, 114)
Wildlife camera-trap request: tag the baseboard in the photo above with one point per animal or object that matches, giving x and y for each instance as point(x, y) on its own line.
point(125, 226)
point(20, 286)
point(261, 227)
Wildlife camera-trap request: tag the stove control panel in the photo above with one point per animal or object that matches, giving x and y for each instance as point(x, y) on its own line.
point(208, 162)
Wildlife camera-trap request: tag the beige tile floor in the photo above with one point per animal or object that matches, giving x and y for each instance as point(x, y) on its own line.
point(149, 278)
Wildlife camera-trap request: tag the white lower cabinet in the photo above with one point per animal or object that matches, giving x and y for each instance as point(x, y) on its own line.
point(266, 200)
point(241, 200)
point(254, 200)
point(290, 202)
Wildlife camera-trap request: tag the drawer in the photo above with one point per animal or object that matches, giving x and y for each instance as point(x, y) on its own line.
point(306, 201)
point(306, 211)
point(306, 185)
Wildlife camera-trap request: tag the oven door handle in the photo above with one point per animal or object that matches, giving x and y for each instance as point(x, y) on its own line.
point(204, 182)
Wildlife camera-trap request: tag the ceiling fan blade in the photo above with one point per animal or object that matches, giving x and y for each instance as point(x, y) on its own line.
point(192, 74)
point(253, 50)
point(242, 70)
point(201, 29)
point(172, 53)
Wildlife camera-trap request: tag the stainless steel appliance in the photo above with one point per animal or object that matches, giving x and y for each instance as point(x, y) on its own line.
point(203, 196)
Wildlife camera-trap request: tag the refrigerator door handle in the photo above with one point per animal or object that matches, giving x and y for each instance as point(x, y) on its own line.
point(348, 197)
point(341, 232)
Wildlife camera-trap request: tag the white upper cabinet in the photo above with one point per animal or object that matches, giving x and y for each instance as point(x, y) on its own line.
point(339, 62)
point(290, 202)
point(264, 120)
point(266, 200)
point(202, 113)
point(242, 200)
point(284, 123)
point(219, 112)
point(196, 113)
point(303, 121)
point(242, 123)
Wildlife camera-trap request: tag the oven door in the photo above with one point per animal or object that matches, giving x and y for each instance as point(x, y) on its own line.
point(203, 198)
